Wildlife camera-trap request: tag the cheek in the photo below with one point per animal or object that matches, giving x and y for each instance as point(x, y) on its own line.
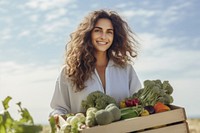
point(93, 39)
point(112, 39)
point(93, 36)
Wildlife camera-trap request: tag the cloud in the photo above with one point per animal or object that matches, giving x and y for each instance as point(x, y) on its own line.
point(34, 17)
point(140, 12)
point(161, 54)
point(158, 14)
point(186, 94)
point(24, 33)
point(173, 57)
point(161, 58)
point(46, 5)
point(56, 14)
point(31, 84)
point(54, 26)
point(3, 3)
point(174, 13)
point(5, 34)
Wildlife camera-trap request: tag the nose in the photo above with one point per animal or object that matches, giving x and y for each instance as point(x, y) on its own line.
point(103, 35)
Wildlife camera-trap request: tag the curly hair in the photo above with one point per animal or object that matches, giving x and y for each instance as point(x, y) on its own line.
point(79, 56)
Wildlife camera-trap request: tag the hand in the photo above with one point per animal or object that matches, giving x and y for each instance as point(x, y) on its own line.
point(56, 119)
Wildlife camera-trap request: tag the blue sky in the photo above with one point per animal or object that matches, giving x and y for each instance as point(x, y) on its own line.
point(34, 33)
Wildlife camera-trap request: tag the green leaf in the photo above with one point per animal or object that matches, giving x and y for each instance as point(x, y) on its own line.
point(2, 129)
point(52, 124)
point(8, 120)
point(28, 128)
point(25, 115)
point(24, 125)
point(6, 101)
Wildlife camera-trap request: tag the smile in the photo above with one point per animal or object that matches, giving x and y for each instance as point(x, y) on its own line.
point(101, 43)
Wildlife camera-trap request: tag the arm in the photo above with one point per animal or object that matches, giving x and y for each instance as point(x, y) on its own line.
point(60, 102)
point(134, 82)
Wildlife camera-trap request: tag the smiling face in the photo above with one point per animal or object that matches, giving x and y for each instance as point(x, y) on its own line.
point(102, 35)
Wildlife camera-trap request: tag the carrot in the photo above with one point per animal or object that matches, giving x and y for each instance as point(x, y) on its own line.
point(160, 107)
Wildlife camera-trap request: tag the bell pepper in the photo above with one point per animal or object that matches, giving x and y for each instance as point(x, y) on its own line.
point(160, 107)
point(122, 104)
point(145, 112)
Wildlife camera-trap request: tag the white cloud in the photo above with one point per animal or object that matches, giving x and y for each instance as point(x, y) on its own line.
point(56, 14)
point(3, 3)
point(46, 5)
point(196, 42)
point(140, 12)
point(24, 33)
point(5, 34)
point(174, 59)
point(54, 26)
point(159, 58)
point(121, 5)
point(162, 54)
point(174, 13)
point(34, 17)
point(186, 94)
point(160, 16)
point(31, 84)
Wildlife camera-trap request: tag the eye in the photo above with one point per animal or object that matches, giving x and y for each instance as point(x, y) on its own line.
point(97, 30)
point(110, 32)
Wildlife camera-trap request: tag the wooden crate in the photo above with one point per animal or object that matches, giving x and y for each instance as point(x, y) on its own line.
point(173, 121)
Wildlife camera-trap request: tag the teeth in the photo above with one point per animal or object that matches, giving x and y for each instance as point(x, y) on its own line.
point(102, 43)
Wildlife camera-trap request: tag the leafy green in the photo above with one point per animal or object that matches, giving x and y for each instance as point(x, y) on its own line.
point(25, 115)
point(6, 101)
point(24, 125)
point(154, 91)
point(52, 124)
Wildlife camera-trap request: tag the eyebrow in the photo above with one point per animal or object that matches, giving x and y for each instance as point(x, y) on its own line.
point(101, 28)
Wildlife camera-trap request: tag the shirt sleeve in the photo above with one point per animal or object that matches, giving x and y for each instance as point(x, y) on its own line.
point(60, 102)
point(134, 82)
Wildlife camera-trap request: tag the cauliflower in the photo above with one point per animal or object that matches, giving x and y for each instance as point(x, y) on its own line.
point(98, 100)
point(90, 116)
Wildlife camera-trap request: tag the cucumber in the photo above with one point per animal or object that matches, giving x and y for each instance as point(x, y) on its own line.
point(131, 112)
point(128, 113)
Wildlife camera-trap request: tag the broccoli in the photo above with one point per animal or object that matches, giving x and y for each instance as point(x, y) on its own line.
point(154, 91)
point(167, 87)
point(98, 100)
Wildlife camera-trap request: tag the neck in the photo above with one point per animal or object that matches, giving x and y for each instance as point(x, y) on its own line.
point(102, 59)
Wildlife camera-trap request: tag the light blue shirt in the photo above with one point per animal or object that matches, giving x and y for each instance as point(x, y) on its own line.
point(120, 84)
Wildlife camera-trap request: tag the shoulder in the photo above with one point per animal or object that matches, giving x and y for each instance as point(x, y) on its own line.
point(130, 69)
point(129, 66)
point(62, 72)
point(62, 69)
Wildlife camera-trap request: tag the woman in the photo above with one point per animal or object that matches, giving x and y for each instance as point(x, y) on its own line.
point(98, 57)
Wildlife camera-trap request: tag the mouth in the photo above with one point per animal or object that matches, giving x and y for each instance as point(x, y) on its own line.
point(102, 43)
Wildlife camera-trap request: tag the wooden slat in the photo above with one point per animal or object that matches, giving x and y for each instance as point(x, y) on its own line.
point(139, 123)
point(177, 128)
